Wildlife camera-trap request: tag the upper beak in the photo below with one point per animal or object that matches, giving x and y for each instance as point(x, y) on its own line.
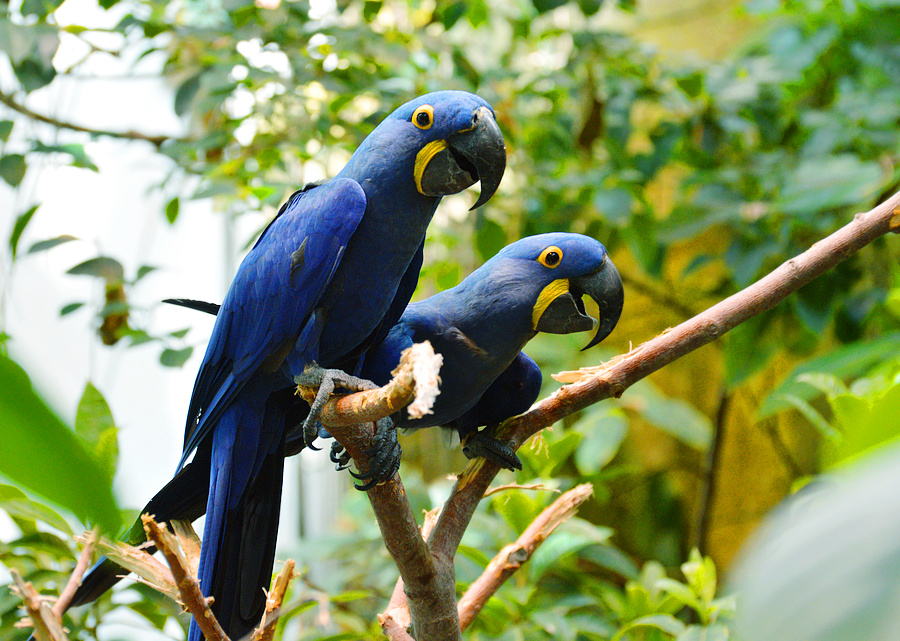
point(478, 153)
point(565, 314)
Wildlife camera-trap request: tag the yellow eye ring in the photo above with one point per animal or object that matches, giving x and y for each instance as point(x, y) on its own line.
point(423, 117)
point(551, 257)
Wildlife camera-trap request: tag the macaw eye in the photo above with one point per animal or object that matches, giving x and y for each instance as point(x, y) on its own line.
point(550, 257)
point(423, 117)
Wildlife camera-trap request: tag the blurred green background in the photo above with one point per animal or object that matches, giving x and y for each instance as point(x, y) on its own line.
point(703, 142)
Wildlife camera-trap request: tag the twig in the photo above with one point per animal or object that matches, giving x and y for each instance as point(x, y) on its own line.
point(514, 555)
point(517, 486)
point(188, 586)
point(10, 102)
point(266, 629)
point(591, 385)
point(84, 560)
point(47, 626)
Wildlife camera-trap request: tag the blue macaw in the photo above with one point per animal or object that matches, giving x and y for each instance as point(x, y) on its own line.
point(326, 280)
point(480, 327)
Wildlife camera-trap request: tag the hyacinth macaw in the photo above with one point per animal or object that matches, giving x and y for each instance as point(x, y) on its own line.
point(326, 280)
point(480, 326)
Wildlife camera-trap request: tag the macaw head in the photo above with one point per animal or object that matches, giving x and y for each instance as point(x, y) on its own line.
point(555, 271)
point(450, 137)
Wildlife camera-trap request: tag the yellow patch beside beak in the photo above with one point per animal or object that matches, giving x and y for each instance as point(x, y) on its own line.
point(549, 294)
point(424, 157)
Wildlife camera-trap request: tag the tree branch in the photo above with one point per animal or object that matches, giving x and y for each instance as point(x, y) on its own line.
point(514, 555)
point(593, 384)
point(188, 586)
point(84, 560)
point(10, 102)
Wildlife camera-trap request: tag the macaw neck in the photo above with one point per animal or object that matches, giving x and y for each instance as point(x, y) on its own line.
point(383, 165)
point(494, 313)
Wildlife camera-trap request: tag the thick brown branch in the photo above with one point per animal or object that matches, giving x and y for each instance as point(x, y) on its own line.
point(84, 560)
point(514, 555)
point(188, 586)
point(592, 385)
point(10, 102)
point(414, 386)
point(396, 617)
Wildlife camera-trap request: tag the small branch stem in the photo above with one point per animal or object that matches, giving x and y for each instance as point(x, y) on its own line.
point(10, 102)
point(514, 555)
point(84, 560)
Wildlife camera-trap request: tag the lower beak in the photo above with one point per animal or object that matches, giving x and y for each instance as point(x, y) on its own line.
point(566, 313)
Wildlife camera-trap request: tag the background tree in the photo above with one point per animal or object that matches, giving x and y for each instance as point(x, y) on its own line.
point(699, 174)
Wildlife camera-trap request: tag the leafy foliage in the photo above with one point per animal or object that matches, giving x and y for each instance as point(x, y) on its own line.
point(699, 176)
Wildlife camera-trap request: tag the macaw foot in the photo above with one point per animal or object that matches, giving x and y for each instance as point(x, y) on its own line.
point(483, 444)
point(339, 456)
point(327, 380)
point(384, 456)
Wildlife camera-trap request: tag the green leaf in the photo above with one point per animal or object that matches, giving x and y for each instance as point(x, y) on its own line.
point(12, 168)
point(143, 270)
point(34, 74)
point(103, 267)
point(50, 243)
point(844, 363)
point(71, 307)
point(186, 93)
point(6, 127)
point(489, 237)
point(94, 424)
point(40, 8)
point(715, 632)
point(672, 415)
point(15, 503)
point(544, 6)
point(573, 535)
point(664, 622)
point(864, 427)
point(604, 431)
point(826, 183)
point(79, 156)
point(172, 208)
point(747, 350)
point(19, 226)
point(41, 454)
point(175, 357)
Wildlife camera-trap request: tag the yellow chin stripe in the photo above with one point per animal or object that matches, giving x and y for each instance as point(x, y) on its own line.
point(424, 157)
point(549, 294)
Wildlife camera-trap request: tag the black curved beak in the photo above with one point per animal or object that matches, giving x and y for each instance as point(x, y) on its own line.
point(476, 154)
point(566, 314)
